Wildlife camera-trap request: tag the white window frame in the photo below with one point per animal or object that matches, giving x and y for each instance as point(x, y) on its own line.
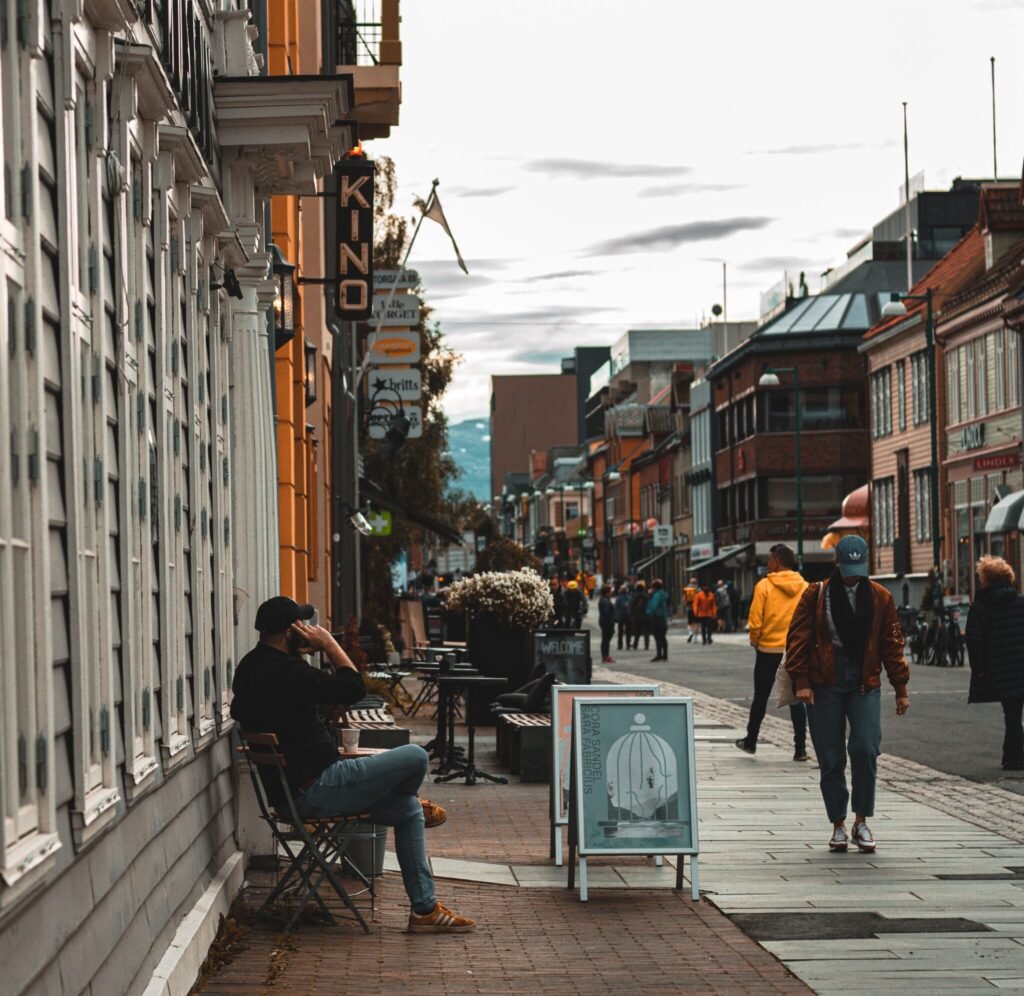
point(999, 352)
point(953, 415)
point(1013, 371)
point(901, 394)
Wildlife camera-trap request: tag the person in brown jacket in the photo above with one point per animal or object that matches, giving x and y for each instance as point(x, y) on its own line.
point(844, 631)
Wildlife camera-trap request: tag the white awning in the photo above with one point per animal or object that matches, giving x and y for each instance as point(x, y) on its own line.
point(1005, 514)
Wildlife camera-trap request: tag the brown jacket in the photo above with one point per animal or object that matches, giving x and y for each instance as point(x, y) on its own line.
point(810, 655)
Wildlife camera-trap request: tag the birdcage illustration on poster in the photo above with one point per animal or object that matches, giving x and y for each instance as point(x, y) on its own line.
point(642, 783)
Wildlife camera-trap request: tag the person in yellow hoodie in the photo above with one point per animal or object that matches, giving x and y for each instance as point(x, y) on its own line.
point(772, 606)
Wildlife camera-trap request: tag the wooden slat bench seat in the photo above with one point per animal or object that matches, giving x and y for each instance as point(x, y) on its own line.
point(524, 744)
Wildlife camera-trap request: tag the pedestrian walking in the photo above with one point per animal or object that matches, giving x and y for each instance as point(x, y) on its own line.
point(622, 606)
point(706, 610)
point(771, 610)
point(843, 632)
point(641, 626)
point(606, 623)
point(689, 595)
point(723, 606)
point(657, 617)
point(574, 607)
point(735, 603)
point(559, 616)
point(995, 638)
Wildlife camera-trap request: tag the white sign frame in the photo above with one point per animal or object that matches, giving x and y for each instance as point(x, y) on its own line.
point(405, 383)
point(577, 838)
point(663, 537)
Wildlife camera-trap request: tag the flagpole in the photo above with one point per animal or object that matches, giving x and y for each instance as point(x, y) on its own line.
point(371, 340)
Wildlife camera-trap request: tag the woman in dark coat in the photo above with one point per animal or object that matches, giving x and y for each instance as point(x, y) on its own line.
point(995, 643)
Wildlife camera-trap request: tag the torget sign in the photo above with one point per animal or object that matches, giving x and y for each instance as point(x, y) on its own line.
point(401, 309)
point(399, 279)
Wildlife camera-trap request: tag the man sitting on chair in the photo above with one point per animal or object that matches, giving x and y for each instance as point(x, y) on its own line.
point(277, 691)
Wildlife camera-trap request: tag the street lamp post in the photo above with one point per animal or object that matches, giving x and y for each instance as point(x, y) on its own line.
point(896, 309)
point(770, 378)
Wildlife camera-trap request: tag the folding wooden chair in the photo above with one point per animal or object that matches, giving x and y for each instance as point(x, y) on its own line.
point(316, 846)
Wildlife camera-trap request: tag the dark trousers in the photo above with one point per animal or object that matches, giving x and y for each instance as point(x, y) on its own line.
point(606, 640)
point(1013, 739)
point(622, 628)
point(641, 629)
point(707, 627)
point(765, 667)
point(659, 628)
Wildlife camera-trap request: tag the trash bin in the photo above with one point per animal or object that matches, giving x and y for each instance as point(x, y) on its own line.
point(366, 849)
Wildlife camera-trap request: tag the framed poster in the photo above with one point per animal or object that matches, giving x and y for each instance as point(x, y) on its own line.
point(562, 697)
point(564, 653)
point(634, 781)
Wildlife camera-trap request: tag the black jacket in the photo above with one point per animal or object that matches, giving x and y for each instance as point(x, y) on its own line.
point(278, 693)
point(995, 643)
point(605, 613)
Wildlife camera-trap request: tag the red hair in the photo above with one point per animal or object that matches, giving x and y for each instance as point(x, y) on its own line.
point(995, 570)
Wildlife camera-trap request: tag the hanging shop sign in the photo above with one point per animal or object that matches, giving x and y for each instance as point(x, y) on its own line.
point(395, 382)
point(395, 309)
point(380, 522)
point(380, 420)
point(399, 279)
point(663, 536)
point(353, 262)
point(393, 347)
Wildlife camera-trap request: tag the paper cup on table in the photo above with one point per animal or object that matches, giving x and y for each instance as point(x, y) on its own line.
point(350, 740)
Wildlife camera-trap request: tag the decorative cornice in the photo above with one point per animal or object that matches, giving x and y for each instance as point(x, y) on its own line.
point(155, 97)
point(189, 165)
point(207, 200)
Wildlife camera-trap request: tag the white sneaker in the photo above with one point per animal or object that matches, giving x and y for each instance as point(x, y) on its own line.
point(863, 837)
point(838, 841)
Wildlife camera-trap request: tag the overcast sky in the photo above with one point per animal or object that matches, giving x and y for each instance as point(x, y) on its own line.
point(597, 158)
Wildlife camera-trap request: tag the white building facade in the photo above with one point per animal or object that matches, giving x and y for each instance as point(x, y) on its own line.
point(138, 521)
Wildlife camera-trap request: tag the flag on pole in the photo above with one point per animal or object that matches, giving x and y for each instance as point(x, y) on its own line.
point(432, 209)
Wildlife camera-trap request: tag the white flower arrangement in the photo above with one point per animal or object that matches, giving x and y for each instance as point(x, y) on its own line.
point(514, 598)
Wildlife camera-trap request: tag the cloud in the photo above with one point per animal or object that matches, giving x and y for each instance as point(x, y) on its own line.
point(822, 148)
point(993, 6)
point(669, 237)
point(546, 357)
point(563, 275)
point(599, 169)
point(681, 189)
point(791, 264)
point(465, 192)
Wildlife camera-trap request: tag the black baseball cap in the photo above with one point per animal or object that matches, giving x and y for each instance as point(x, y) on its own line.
point(276, 614)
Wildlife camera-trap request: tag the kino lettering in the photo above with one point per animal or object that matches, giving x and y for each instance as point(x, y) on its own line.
point(355, 240)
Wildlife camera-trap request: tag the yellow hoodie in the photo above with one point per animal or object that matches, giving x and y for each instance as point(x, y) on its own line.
point(775, 599)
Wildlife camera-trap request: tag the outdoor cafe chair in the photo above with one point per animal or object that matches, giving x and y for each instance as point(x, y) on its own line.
point(316, 847)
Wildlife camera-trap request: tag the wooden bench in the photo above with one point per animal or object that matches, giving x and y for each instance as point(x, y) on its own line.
point(524, 744)
point(377, 728)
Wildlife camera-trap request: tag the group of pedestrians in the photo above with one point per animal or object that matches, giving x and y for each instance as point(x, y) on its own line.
point(630, 613)
point(570, 604)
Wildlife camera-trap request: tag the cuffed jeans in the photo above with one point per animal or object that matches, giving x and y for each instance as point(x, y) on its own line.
point(834, 707)
point(385, 786)
point(765, 667)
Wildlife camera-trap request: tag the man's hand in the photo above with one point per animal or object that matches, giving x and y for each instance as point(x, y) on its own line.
point(902, 705)
point(805, 695)
point(313, 636)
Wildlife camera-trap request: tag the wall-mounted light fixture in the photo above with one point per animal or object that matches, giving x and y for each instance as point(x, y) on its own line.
point(284, 298)
point(310, 351)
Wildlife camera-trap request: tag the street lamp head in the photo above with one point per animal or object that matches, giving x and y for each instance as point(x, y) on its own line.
point(769, 379)
point(895, 308)
point(588, 485)
point(613, 477)
point(549, 491)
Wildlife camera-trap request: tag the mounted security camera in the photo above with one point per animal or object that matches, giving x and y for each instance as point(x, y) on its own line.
point(360, 524)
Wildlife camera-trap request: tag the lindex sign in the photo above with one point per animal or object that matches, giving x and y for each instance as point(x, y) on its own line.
point(395, 309)
point(392, 382)
point(380, 420)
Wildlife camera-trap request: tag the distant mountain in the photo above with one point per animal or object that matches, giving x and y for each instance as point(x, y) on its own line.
point(469, 443)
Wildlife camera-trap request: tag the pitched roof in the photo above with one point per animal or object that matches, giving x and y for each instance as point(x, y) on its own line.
point(962, 265)
point(1001, 208)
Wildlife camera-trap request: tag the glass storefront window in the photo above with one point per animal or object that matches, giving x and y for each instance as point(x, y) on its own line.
point(822, 408)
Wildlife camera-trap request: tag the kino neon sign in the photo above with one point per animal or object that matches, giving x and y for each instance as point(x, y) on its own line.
point(354, 258)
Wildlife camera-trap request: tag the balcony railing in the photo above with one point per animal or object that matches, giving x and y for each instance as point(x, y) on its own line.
point(361, 30)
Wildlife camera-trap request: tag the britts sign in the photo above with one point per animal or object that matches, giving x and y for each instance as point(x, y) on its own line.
point(354, 259)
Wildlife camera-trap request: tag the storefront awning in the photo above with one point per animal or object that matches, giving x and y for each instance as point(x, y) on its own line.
point(371, 493)
point(651, 561)
point(726, 553)
point(1005, 514)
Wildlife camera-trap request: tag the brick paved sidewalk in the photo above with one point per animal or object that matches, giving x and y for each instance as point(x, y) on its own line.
point(527, 941)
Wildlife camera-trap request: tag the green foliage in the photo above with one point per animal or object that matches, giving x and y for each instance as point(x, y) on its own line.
point(503, 554)
point(419, 474)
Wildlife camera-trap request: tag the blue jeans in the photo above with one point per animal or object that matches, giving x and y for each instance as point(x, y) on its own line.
point(834, 707)
point(385, 786)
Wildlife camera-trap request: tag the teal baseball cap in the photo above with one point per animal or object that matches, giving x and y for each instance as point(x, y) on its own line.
point(852, 557)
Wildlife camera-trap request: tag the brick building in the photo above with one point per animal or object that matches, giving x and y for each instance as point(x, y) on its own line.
point(755, 456)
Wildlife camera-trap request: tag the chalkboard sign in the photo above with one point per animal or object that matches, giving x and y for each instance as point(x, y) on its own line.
point(565, 653)
point(562, 697)
point(634, 781)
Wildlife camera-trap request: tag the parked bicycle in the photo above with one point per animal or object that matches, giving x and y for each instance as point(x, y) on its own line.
point(938, 642)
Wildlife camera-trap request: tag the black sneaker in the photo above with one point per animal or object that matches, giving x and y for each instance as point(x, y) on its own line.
point(745, 747)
